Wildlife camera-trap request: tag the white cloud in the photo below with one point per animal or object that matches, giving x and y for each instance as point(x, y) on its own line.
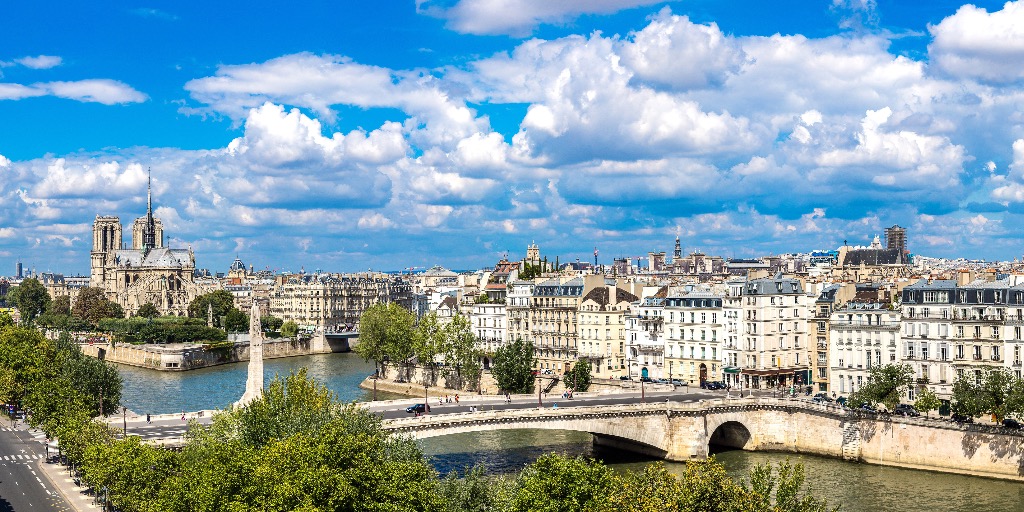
point(519, 17)
point(40, 62)
point(674, 52)
point(107, 92)
point(977, 44)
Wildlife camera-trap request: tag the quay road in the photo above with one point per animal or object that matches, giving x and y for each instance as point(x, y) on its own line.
point(22, 484)
point(167, 428)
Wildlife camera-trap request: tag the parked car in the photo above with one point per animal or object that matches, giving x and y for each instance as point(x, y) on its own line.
point(677, 382)
point(645, 379)
point(822, 397)
point(961, 418)
point(418, 408)
point(711, 384)
point(841, 401)
point(1011, 423)
point(905, 410)
point(868, 408)
point(625, 377)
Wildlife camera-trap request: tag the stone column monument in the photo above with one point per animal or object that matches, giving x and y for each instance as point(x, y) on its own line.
point(254, 383)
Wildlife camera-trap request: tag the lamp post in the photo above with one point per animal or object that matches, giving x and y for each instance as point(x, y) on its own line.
point(540, 402)
point(124, 419)
point(670, 375)
point(642, 394)
point(426, 400)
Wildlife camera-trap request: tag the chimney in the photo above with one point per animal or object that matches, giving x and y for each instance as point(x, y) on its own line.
point(964, 276)
point(611, 294)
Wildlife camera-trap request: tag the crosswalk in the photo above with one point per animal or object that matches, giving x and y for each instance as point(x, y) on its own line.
point(20, 457)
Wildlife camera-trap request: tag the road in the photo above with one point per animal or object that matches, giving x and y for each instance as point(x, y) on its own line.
point(396, 409)
point(22, 486)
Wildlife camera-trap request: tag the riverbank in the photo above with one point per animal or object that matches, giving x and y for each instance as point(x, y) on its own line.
point(177, 357)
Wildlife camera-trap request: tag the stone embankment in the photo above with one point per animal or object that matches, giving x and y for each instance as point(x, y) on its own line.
point(187, 356)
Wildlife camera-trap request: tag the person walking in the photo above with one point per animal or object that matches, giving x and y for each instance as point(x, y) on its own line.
point(456, 398)
point(148, 419)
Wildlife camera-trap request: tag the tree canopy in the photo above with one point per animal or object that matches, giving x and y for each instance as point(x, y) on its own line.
point(513, 367)
point(147, 310)
point(386, 333)
point(31, 299)
point(221, 300)
point(92, 305)
point(886, 385)
point(578, 378)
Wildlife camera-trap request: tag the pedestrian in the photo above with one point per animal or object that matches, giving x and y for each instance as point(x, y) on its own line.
point(456, 398)
point(182, 415)
point(555, 405)
point(148, 419)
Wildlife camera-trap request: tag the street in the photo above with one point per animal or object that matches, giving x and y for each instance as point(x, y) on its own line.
point(22, 486)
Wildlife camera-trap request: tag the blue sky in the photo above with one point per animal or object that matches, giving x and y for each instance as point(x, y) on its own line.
point(351, 135)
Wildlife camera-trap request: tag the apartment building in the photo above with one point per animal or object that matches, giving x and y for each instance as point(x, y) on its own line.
point(334, 301)
point(774, 342)
point(645, 342)
point(928, 343)
point(489, 321)
point(863, 335)
point(732, 309)
point(695, 332)
point(552, 321)
point(602, 330)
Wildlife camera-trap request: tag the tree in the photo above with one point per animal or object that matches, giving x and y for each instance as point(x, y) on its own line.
point(513, 367)
point(60, 306)
point(221, 300)
point(555, 482)
point(995, 391)
point(289, 329)
point(147, 310)
point(927, 401)
point(461, 356)
point(236, 321)
point(578, 378)
point(92, 306)
point(886, 385)
point(429, 343)
point(386, 333)
point(270, 323)
point(5, 319)
point(31, 299)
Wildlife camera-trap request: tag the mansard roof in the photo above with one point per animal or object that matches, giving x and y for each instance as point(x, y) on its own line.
point(601, 296)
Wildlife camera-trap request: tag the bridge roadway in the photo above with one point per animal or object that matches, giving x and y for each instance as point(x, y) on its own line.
point(170, 427)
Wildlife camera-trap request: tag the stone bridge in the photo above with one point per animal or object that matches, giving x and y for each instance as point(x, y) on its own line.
point(680, 431)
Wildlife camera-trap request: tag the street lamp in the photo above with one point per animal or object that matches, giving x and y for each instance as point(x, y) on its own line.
point(124, 419)
point(426, 400)
point(540, 402)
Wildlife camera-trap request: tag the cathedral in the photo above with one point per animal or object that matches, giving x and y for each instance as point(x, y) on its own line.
point(149, 272)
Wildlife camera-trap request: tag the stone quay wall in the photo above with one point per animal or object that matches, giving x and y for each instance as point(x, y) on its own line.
point(413, 387)
point(182, 357)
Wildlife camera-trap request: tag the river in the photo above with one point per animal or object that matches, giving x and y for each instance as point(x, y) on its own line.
point(857, 487)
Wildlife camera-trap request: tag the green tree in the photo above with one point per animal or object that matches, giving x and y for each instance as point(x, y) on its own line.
point(31, 299)
point(995, 391)
point(462, 356)
point(429, 343)
point(927, 401)
point(5, 319)
point(578, 378)
point(886, 385)
point(92, 306)
point(289, 329)
point(271, 323)
point(513, 367)
point(236, 321)
point(222, 302)
point(386, 333)
point(557, 483)
point(60, 306)
point(147, 310)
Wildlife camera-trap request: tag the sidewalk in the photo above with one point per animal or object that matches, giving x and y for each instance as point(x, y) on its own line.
point(60, 478)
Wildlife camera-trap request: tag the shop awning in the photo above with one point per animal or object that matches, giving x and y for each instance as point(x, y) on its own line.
point(730, 369)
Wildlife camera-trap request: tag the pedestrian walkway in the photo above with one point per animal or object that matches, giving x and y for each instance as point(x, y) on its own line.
point(33, 456)
point(60, 477)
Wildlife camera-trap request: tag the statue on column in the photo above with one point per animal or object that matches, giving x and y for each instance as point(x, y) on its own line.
point(254, 382)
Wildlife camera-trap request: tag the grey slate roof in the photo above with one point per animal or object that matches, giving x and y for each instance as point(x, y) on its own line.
point(156, 258)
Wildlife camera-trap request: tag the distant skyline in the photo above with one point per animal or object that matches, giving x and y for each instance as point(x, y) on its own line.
point(348, 135)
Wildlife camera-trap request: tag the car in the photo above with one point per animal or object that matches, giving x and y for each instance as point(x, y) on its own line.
point(823, 396)
point(645, 379)
point(841, 401)
point(625, 377)
point(677, 382)
point(868, 408)
point(661, 381)
point(821, 400)
point(905, 410)
point(714, 385)
point(419, 408)
point(1011, 423)
point(961, 418)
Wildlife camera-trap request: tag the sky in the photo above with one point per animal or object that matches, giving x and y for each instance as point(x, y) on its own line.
point(346, 136)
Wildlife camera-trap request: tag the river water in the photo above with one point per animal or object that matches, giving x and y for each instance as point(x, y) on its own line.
point(857, 487)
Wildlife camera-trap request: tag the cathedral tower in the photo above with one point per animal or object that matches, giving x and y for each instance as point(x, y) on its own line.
point(106, 238)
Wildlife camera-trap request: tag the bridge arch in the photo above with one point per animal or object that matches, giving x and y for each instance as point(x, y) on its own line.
point(731, 434)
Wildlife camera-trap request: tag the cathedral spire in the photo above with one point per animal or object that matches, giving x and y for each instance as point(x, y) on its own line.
point(149, 234)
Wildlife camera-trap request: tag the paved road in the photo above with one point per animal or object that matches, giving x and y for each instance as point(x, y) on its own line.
point(396, 409)
point(22, 486)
